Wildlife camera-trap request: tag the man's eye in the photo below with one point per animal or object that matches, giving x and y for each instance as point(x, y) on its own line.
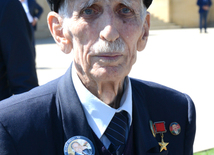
point(125, 10)
point(88, 11)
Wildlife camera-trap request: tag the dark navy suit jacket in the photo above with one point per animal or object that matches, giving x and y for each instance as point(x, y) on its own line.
point(201, 3)
point(17, 64)
point(35, 9)
point(43, 119)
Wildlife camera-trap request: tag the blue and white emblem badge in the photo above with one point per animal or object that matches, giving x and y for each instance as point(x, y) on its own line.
point(79, 145)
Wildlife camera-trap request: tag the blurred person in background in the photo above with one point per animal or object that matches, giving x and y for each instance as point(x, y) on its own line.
point(17, 64)
point(204, 6)
point(33, 11)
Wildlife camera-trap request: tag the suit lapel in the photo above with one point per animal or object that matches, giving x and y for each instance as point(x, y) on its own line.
point(144, 142)
point(71, 111)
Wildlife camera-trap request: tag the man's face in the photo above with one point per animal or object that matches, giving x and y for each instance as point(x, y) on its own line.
point(175, 127)
point(77, 147)
point(105, 36)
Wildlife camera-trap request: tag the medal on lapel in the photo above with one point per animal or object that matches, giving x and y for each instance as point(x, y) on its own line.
point(175, 128)
point(160, 128)
point(162, 144)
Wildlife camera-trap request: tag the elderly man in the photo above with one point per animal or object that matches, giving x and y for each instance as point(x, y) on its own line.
point(95, 100)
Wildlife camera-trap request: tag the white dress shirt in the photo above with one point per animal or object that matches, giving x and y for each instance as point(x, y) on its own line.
point(27, 11)
point(98, 113)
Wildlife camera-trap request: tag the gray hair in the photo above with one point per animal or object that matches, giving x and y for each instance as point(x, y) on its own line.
point(65, 8)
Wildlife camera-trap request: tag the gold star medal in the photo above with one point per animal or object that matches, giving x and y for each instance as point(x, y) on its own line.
point(160, 128)
point(162, 144)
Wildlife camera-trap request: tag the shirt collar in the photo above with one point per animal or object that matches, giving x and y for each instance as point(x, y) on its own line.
point(99, 114)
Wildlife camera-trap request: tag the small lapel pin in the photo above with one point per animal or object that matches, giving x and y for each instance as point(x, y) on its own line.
point(175, 128)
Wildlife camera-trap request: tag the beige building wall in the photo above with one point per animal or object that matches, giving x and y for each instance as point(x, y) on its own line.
point(184, 12)
point(181, 12)
point(160, 9)
point(42, 29)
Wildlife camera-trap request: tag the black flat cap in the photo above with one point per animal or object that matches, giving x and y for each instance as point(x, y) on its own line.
point(147, 3)
point(54, 4)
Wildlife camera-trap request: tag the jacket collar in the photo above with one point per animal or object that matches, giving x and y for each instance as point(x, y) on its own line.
point(71, 111)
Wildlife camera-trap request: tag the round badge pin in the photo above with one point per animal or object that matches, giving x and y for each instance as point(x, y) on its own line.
point(175, 128)
point(152, 127)
point(79, 145)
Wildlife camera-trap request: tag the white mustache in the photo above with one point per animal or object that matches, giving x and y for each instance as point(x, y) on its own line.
point(103, 46)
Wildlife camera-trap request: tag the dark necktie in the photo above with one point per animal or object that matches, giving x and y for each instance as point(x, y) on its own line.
point(116, 132)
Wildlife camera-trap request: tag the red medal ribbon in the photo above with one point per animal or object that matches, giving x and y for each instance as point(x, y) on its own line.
point(160, 127)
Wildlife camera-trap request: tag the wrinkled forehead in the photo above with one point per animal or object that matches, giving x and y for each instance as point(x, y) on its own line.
point(55, 4)
point(134, 4)
point(130, 3)
point(110, 1)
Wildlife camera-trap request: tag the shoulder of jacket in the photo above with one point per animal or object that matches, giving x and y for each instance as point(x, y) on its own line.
point(151, 88)
point(36, 95)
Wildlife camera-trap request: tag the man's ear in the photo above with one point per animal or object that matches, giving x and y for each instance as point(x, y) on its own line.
point(55, 24)
point(141, 44)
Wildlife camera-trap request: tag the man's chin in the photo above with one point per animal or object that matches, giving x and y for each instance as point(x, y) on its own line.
point(109, 73)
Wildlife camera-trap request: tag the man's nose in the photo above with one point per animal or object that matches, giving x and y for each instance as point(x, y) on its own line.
point(109, 32)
